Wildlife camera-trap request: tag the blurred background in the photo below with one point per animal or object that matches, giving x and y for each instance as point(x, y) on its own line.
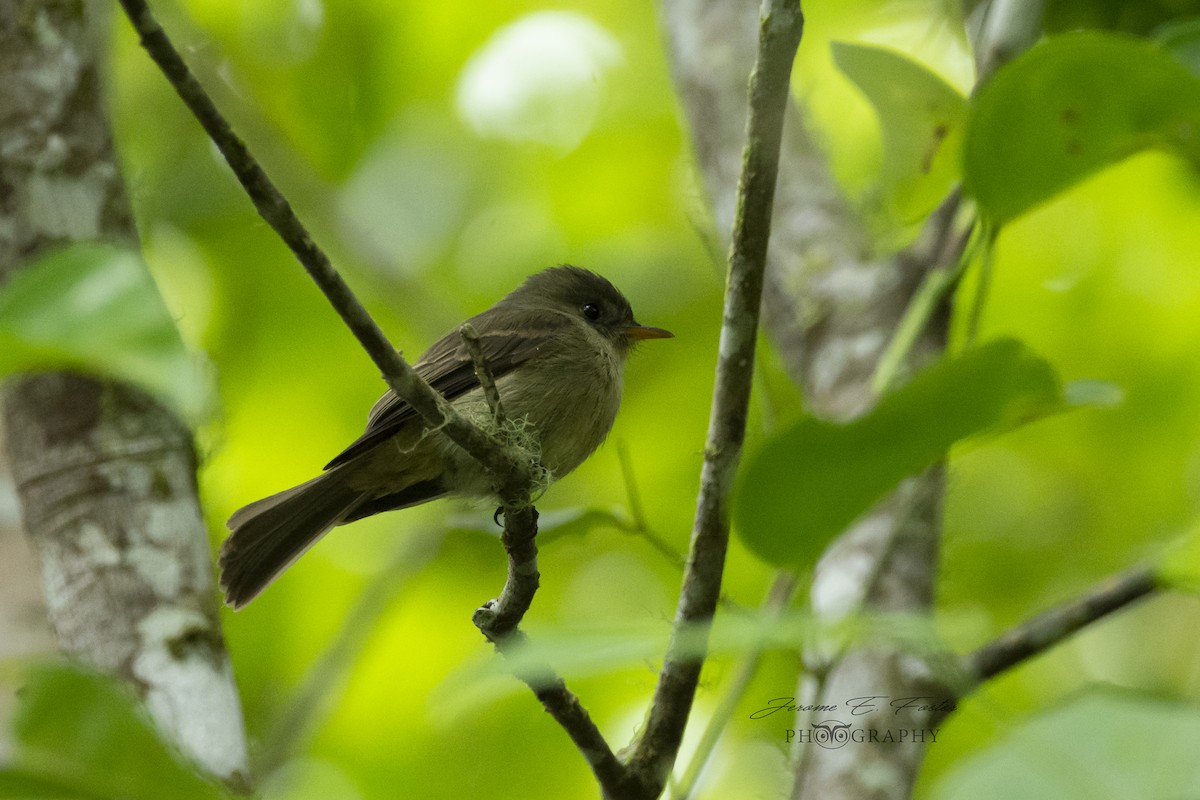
point(441, 152)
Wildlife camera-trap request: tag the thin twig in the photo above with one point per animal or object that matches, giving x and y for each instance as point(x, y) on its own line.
point(948, 261)
point(780, 30)
point(497, 619)
point(277, 212)
point(778, 598)
point(511, 468)
point(631, 488)
point(983, 283)
point(569, 713)
point(638, 525)
point(1040, 633)
point(482, 371)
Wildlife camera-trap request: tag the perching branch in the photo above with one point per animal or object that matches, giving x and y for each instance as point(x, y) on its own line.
point(513, 474)
point(780, 29)
point(512, 469)
point(778, 598)
point(497, 619)
point(1039, 634)
point(564, 706)
point(482, 372)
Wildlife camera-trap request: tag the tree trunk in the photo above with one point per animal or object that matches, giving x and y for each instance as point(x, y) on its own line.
point(830, 307)
point(105, 475)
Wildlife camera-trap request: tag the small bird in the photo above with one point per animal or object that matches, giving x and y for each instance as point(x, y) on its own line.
point(556, 347)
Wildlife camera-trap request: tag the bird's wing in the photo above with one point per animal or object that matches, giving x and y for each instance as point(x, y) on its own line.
point(448, 368)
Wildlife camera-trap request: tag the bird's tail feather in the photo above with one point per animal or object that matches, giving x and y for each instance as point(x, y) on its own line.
point(270, 534)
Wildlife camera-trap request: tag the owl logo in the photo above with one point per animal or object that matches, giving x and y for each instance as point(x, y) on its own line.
point(831, 734)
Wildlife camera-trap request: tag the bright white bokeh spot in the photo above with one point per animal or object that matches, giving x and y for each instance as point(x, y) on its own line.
point(539, 79)
point(403, 204)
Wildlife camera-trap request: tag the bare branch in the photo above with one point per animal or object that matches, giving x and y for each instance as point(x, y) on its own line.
point(566, 709)
point(512, 473)
point(1039, 634)
point(484, 373)
point(497, 618)
point(778, 597)
point(780, 29)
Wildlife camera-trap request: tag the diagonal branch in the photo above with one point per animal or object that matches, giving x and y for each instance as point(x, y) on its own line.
point(568, 712)
point(780, 30)
point(483, 372)
point(1038, 634)
point(511, 472)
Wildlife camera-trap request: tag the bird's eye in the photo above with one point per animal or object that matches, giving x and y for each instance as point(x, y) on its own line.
point(591, 311)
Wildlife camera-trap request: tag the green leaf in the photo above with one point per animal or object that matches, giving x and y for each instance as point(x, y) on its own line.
point(1069, 107)
point(94, 307)
point(812, 480)
point(1104, 743)
point(86, 735)
point(922, 119)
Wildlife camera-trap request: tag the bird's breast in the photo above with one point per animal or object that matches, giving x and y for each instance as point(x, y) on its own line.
point(568, 402)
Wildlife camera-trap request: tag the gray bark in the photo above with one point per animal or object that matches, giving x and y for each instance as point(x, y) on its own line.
point(830, 307)
point(104, 474)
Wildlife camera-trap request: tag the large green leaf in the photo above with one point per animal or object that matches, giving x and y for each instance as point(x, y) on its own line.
point(922, 119)
point(1104, 743)
point(812, 480)
point(94, 307)
point(1069, 107)
point(83, 735)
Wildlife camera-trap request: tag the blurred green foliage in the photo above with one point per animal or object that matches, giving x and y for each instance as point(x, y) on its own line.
point(811, 480)
point(82, 735)
point(1150, 738)
point(921, 118)
point(1069, 107)
point(435, 198)
point(93, 307)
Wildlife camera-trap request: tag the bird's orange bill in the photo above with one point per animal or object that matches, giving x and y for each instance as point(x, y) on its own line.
point(640, 332)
